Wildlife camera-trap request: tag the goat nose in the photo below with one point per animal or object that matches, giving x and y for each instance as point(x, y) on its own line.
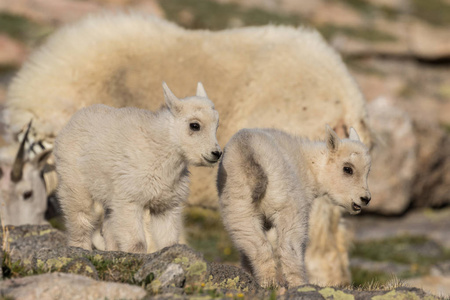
point(365, 200)
point(217, 154)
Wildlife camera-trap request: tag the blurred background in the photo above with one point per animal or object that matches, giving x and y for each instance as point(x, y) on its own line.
point(399, 53)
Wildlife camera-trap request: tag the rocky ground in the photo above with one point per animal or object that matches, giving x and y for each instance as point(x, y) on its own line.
point(36, 264)
point(399, 53)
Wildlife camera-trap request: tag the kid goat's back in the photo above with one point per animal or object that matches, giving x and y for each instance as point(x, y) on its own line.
point(267, 181)
point(124, 163)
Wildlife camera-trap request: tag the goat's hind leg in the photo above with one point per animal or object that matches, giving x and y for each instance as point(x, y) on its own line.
point(81, 219)
point(292, 231)
point(246, 230)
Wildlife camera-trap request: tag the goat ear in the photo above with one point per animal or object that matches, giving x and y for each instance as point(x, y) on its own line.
point(171, 100)
point(201, 91)
point(353, 135)
point(41, 159)
point(333, 140)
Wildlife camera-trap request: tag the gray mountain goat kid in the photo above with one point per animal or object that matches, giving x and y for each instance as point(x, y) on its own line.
point(124, 163)
point(267, 181)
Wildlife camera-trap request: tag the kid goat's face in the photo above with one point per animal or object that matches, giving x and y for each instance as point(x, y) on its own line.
point(347, 170)
point(197, 132)
point(196, 122)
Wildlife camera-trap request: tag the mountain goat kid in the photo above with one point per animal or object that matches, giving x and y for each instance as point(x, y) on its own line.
point(268, 179)
point(124, 163)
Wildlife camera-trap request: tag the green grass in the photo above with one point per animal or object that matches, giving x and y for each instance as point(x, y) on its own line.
point(397, 249)
point(400, 250)
point(58, 223)
point(407, 91)
point(118, 269)
point(15, 26)
point(11, 269)
point(23, 29)
point(362, 277)
point(446, 127)
point(359, 5)
point(361, 67)
point(371, 9)
point(366, 34)
point(436, 12)
point(206, 14)
point(206, 234)
point(17, 269)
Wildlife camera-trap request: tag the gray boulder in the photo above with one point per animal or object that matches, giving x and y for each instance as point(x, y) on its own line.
point(67, 286)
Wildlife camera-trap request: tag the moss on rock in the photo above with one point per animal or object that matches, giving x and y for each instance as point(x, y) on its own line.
point(330, 293)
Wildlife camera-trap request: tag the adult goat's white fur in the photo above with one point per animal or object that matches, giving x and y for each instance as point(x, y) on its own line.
point(268, 179)
point(268, 76)
point(128, 163)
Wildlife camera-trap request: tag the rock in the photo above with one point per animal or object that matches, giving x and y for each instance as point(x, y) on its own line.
point(174, 266)
point(329, 293)
point(432, 182)
point(436, 285)
point(63, 11)
point(37, 251)
point(443, 268)
point(12, 52)
point(81, 266)
point(49, 11)
point(394, 158)
point(428, 42)
point(336, 13)
point(67, 286)
point(173, 272)
point(231, 277)
point(24, 241)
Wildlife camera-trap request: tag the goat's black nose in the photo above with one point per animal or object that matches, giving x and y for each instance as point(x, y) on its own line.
point(217, 154)
point(365, 200)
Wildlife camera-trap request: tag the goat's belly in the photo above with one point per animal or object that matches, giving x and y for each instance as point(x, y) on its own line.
point(168, 198)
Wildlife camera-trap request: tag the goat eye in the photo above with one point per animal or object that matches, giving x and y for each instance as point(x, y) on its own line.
point(27, 195)
point(194, 126)
point(348, 170)
point(1, 173)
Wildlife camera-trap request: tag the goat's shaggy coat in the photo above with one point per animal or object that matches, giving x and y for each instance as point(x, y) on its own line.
point(269, 76)
point(127, 163)
point(268, 179)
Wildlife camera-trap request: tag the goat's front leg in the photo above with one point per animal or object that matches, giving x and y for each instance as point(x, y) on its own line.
point(124, 227)
point(165, 227)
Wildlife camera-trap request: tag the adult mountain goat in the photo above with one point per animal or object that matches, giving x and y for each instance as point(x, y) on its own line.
point(269, 76)
point(124, 163)
point(23, 197)
point(269, 179)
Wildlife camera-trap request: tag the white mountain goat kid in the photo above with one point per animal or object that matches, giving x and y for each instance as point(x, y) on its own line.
point(269, 179)
point(128, 162)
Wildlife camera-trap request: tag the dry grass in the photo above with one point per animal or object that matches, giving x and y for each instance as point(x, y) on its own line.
point(5, 231)
point(375, 285)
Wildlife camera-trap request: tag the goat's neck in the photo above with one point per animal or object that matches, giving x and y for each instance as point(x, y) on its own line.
point(163, 138)
point(314, 155)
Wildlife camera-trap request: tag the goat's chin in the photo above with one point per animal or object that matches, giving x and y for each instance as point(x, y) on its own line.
point(348, 207)
point(204, 163)
point(353, 212)
point(353, 208)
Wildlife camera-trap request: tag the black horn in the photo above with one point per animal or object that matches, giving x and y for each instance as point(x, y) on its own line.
point(17, 168)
